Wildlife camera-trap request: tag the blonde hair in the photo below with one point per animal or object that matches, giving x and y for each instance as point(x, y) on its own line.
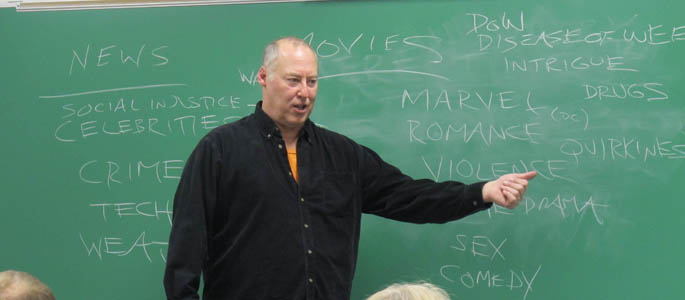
point(15, 285)
point(411, 291)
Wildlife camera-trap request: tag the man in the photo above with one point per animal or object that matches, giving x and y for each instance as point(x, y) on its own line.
point(15, 285)
point(269, 207)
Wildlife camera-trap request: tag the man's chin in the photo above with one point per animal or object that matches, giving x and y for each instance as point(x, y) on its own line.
point(300, 118)
point(295, 123)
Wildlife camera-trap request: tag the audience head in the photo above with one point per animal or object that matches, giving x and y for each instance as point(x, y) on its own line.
point(15, 285)
point(411, 291)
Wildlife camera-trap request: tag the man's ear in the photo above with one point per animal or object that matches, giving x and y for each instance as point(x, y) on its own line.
point(261, 76)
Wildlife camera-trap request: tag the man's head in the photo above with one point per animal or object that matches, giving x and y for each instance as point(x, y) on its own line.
point(289, 80)
point(16, 285)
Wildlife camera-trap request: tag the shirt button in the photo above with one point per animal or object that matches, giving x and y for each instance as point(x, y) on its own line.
point(306, 225)
point(311, 280)
point(280, 146)
point(290, 173)
point(309, 252)
point(475, 203)
point(268, 135)
point(301, 199)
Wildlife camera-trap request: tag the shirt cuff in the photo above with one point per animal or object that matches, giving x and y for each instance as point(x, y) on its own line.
point(476, 201)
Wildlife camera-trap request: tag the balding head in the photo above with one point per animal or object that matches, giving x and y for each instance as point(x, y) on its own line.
point(15, 285)
point(272, 50)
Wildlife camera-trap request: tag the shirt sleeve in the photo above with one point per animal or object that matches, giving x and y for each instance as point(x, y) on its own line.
point(195, 197)
point(389, 193)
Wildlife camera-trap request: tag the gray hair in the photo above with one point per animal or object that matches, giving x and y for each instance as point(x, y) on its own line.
point(411, 291)
point(15, 285)
point(271, 52)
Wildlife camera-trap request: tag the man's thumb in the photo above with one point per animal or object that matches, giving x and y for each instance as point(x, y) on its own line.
point(529, 175)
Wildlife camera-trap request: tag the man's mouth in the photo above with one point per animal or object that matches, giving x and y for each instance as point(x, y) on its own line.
point(300, 107)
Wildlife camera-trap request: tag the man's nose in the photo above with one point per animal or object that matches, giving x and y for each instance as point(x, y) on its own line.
point(305, 91)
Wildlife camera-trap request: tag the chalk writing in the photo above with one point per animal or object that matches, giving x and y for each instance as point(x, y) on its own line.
point(479, 246)
point(82, 121)
point(109, 173)
point(464, 100)
point(249, 79)
point(128, 88)
point(465, 170)
point(186, 125)
point(507, 279)
point(559, 64)
point(149, 209)
point(422, 133)
point(81, 57)
point(622, 148)
point(649, 91)
point(121, 105)
point(117, 246)
point(564, 206)
point(561, 116)
point(484, 23)
point(336, 46)
point(132, 104)
point(505, 35)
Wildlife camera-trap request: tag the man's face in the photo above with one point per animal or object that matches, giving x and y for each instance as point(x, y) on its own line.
point(289, 86)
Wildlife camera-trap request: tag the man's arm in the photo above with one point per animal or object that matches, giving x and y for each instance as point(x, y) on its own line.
point(193, 203)
point(391, 194)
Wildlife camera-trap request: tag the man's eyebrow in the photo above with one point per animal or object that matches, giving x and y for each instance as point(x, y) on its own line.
point(298, 75)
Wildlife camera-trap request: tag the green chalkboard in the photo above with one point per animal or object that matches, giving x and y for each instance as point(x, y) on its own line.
point(101, 108)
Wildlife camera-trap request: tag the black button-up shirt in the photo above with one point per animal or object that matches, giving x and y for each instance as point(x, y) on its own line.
point(242, 220)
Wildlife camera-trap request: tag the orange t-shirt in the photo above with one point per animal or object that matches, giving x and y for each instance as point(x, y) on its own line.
point(292, 160)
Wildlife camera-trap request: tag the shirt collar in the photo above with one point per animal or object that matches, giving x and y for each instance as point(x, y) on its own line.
point(268, 128)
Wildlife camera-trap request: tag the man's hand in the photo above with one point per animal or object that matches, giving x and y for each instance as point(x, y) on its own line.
point(508, 190)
